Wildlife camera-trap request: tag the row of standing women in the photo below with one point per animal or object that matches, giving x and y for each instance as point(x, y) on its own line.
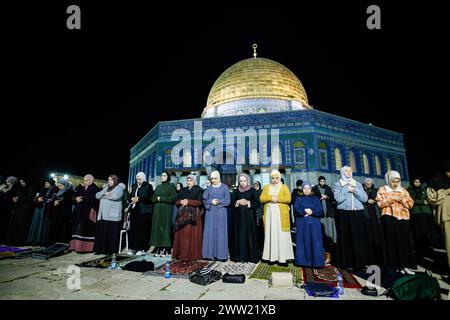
point(368, 226)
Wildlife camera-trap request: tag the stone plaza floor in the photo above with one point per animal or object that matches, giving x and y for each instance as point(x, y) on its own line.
point(31, 279)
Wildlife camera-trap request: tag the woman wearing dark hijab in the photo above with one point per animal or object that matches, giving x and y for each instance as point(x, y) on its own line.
point(259, 220)
point(22, 214)
point(141, 209)
point(163, 200)
point(188, 227)
point(373, 220)
point(84, 215)
point(438, 194)
point(423, 226)
point(244, 238)
point(326, 198)
point(60, 211)
point(39, 225)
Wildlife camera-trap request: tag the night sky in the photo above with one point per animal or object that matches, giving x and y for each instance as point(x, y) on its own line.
point(76, 101)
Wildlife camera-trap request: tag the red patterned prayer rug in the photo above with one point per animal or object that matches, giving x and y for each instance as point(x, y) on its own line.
point(180, 269)
point(328, 275)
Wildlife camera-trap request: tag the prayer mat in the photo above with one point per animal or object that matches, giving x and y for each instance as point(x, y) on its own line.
point(105, 261)
point(27, 253)
point(234, 267)
point(157, 261)
point(55, 250)
point(12, 249)
point(328, 275)
point(179, 269)
point(264, 271)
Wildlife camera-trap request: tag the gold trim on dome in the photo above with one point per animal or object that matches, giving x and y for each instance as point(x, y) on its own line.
point(256, 78)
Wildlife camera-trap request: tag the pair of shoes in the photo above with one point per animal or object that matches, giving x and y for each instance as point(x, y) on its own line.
point(140, 253)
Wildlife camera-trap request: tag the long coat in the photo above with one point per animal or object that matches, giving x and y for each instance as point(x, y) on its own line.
point(244, 231)
point(21, 217)
point(330, 202)
point(215, 234)
point(309, 247)
point(162, 215)
point(284, 198)
point(419, 195)
point(187, 242)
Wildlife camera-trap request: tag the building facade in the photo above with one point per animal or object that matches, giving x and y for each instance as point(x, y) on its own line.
point(258, 113)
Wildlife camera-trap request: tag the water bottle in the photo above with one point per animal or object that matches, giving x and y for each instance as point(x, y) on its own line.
point(167, 274)
point(340, 284)
point(113, 262)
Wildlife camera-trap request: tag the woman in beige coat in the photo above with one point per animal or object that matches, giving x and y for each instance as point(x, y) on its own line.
point(438, 194)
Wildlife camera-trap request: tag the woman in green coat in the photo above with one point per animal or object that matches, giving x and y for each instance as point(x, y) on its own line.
point(163, 200)
point(423, 226)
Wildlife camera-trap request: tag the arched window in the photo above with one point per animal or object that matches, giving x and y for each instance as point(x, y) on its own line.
point(377, 166)
point(352, 161)
point(323, 155)
point(388, 164)
point(337, 159)
point(299, 153)
point(365, 164)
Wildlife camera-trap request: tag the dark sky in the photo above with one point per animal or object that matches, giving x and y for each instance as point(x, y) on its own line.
point(76, 101)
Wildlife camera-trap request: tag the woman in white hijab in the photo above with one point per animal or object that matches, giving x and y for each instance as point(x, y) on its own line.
point(277, 224)
point(141, 210)
point(395, 203)
point(352, 247)
point(216, 199)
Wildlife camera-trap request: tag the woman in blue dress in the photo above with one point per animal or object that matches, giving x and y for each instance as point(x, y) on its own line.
point(216, 198)
point(309, 250)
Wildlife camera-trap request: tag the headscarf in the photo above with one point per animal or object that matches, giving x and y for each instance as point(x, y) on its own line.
point(368, 180)
point(168, 176)
point(388, 177)
point(248, 186)
point(216, 174)
point(259, 184)
point(142, 176)
point(181, 186)
point(90, 178)
point(440, 179)
point(274, 189)
point(115, 180)
point(306, 183)
point(67, 186)
point(413, 186)
point(343, 177)
point(12, 181)
point(193, 177)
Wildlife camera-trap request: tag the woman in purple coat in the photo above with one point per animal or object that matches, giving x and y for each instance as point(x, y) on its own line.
point(216, 198)
point(309, 250)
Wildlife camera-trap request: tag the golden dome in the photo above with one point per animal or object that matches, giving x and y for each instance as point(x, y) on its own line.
point(256, 78)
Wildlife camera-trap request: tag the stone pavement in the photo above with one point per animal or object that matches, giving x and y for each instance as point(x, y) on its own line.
point(29, 279)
